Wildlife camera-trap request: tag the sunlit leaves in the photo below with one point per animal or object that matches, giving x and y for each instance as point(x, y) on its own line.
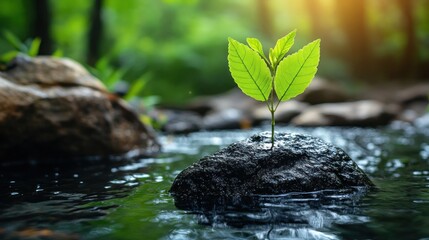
point(282, 47)
point(296, 71)
point(256, 45)
point(281, 75)
point(249, 71)
point(289, 75)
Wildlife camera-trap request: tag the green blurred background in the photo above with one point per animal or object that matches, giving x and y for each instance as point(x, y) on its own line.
point(177, 48)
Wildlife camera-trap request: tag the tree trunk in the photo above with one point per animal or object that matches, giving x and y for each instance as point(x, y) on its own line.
point(264, 13)
point(320, 29)
point(95, 33)
point(352, 21)
point(409, 54)
point(423, 64)
point(40, 26)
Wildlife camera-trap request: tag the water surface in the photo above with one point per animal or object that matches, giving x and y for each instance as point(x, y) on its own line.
point(128, 199)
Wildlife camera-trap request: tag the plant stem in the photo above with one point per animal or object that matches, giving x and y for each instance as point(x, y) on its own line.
point(272, 110)
point(273, 123)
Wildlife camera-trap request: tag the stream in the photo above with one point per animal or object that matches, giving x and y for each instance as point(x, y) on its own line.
point(128, 199)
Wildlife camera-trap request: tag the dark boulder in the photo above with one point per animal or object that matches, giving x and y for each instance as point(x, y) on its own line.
point(54, 107)
point(297, 163)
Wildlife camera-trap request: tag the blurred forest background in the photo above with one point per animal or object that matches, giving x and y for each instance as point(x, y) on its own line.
point(177, 49)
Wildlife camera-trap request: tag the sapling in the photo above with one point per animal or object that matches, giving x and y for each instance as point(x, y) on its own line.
point(274, 79)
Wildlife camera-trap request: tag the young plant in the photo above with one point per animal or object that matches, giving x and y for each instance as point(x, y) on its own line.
point(274, 79)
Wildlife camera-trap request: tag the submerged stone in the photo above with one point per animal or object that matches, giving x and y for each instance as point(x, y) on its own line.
point(243, 170)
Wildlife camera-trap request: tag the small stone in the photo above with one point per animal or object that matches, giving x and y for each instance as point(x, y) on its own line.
point(417, 92)
point(359, 113)
point(322, 91)
point(226, 119)
point(233, 99)
point(284, 113)
point(297, 163)
point(181, 122)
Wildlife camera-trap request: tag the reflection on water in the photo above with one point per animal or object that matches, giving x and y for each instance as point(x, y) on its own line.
point(128, 199)
point(289, 216)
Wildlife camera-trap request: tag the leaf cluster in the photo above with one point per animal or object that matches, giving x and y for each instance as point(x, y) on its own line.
point(278, 76)
point(260, 77)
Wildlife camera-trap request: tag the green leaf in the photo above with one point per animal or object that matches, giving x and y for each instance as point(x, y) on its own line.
point(296, 71)
point(283, 46)
point(256, 45)
point(7, 57)
point(272, 57)
point(34, 47)
point(135, 89)
point(137, 86)
point(58, 53)
point(249, 71)
point(13, 40)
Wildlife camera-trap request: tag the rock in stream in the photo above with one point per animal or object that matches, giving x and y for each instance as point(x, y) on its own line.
point(297, 163)
point(54, 107)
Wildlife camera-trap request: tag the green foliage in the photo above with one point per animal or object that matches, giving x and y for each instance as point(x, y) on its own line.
point(250, 73)
point(30, 47)
point(296, 71)
point(282, 47)
point(281, 76)
point(109, 75)
point(136, 87)
point(182, 41)
point(173, 39)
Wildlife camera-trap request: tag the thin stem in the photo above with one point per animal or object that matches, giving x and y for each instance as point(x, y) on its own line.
point(275, 108)
point(273, 123)
point(272, 110)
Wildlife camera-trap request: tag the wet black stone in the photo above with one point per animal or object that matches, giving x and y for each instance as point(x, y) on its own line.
point(236, 174)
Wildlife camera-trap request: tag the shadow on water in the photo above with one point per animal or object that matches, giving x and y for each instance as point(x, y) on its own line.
point(128, 198)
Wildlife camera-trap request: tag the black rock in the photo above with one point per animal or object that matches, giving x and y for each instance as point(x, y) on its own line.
point(243, 170)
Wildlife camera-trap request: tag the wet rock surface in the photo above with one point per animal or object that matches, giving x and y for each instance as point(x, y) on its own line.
point(243, 170)
point(54, 107)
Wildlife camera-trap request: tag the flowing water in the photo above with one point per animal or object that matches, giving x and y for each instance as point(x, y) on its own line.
point(128, 199)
